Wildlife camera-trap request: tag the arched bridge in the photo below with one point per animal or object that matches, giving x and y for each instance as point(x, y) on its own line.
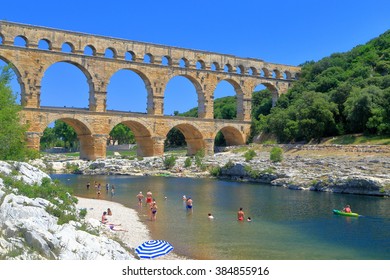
point(93, 125)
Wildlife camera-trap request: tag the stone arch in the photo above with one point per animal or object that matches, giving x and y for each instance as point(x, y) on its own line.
point(192, 135)
point(130, 56)
point(273, 89)
point(277, 74)
point(143, 136)
point(253, 71)
point(85, 72)
point(232, 135)
point(166, 60)
point(110, 53)
point(25, 42)
point(200, 65)
point(184, 62)
point(287, 75)
point(215, 66)
point(83, 131)
point(239, 93)
point(90, 50)
point(67, 45)
point(23, 97)
point(1, 39)
point(267, 73)
point(240, 69)
point(228, 68)
point(148, 58)
point(45, 41)
point(146, 81)
point(198, 90)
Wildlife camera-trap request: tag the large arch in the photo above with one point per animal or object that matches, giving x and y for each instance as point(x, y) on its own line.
point(143, 137)
point(192, 135)
point(223, 89)
point(17, 86)
point(83, 131)
point(274, 91)
point(125, 81)
point(171, 90)
point(232, 135)
point(55, 82)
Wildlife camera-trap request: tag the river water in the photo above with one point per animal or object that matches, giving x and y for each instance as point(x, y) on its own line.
point(285, 225)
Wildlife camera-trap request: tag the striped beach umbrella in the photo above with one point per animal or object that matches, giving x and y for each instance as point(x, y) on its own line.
point(153, 248)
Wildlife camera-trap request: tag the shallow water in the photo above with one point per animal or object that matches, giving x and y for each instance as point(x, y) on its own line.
point(286, 224)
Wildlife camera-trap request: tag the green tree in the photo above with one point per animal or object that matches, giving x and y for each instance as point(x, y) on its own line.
point(122, 134)
point(12, 133)
point(67, 134)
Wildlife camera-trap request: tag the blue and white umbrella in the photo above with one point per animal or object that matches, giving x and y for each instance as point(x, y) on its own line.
point(153, 248)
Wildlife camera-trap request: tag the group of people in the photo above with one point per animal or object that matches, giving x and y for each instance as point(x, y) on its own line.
point(98, 188)
point(150, 203)
point(105, 221)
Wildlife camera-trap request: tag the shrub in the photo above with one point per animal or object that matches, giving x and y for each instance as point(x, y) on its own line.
point(169, 162)
point(276, 154)
point(229, 164)
point(249, 155)
point(187, 162)
point(215, 171)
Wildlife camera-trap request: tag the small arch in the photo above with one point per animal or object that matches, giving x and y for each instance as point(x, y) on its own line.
point(1, 39)
point(266, 73)
point(252, 71)
point(200, 65)
point(184, 63)
point(276, 74)
point(148, 58)
point(228, 68)
point(44, 44)
point(110, 53)
point(21, 41)
point(297, 76)
point(287, 75)
point(215, 66)
point(240, 70)
point(130, 56)
point(67, 47)
point(166, 60)
point(90, 50)
point(232, 136)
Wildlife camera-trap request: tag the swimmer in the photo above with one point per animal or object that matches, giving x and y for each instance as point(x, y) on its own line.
point(210, 216)
point(240, 215)
point(153, 210)
point(149, 199)
point(249, 219)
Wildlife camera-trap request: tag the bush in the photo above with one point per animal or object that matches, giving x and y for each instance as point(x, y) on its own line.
point(169, 162)
point(215, 171)
point(187, 162)
point(249, 155)
point(276, 154)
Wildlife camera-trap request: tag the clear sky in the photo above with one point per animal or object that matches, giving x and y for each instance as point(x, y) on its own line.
point(286, 32)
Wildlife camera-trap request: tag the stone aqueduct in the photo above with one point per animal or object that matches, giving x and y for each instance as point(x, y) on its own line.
point(93, 125)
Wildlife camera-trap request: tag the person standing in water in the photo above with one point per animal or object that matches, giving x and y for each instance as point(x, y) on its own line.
point(153, 211)
point(189, 203)
point(240, 215)
point(149, 198)
point(140, 197)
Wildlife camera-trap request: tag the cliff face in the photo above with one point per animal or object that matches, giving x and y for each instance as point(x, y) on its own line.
point(28, 231)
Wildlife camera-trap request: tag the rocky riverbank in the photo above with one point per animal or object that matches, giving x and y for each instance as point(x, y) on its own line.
point(332, 168)
point(30, 229)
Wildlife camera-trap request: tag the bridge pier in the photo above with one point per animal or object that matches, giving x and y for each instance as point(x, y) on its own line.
point(93, 146)
point(33, 140)
point(150, 146)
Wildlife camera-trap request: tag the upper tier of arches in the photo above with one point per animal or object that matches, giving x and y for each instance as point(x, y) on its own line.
point(48, 39)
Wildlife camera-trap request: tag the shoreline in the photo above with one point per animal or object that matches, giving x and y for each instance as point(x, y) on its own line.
point(136, 232)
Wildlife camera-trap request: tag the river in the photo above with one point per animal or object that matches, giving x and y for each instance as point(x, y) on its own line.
point(285, 225)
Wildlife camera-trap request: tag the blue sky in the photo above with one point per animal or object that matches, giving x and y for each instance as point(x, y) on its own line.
point(286, 32)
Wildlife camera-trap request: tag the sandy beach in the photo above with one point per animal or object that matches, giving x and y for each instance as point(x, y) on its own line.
point(135, 231)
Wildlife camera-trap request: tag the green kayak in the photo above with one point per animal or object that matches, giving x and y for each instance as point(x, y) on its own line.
point(339, 212)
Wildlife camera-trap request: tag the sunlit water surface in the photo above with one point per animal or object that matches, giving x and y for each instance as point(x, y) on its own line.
point(286, 224)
